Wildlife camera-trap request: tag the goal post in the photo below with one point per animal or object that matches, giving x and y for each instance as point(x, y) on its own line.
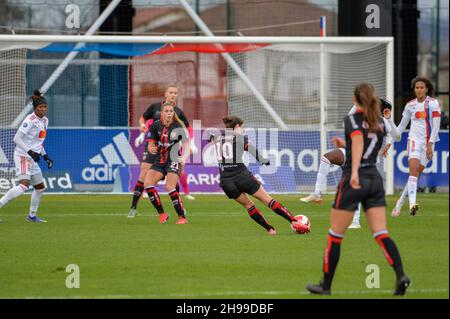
point(285, 70)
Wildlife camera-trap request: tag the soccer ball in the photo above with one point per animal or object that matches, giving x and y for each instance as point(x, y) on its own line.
point(301, 225)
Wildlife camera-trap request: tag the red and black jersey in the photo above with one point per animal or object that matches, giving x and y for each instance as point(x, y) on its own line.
point(355, 124)
point(229, 151)
point(168, 139)
point(154, 112)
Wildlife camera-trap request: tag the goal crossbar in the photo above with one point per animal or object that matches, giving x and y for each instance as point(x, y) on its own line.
point(188, 39)
point(7, 42)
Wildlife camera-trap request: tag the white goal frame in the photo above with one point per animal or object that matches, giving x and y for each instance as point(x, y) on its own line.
point(41, 40)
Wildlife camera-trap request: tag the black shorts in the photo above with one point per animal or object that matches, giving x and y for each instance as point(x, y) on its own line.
point(371, 194)
point(148, 157)
point(168, 167)
point(236, 185)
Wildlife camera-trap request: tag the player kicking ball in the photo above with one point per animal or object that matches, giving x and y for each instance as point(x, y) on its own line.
point(29, 141)
point(237, 181)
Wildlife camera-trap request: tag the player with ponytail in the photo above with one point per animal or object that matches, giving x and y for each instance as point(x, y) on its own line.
point(168, 141)
point(361, 183)
point(238, 182)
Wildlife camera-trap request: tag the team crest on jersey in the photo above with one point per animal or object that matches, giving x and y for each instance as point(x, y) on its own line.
point(25, 125)
point(42, 134)
point(421, 115)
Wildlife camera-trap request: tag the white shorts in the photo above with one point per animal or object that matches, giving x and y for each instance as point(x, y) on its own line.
point(343, 153)
point(27, 169)
point(418, 150)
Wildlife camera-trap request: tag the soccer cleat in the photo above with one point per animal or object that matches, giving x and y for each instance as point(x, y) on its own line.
point(272, 232)
point(318, 289)
point(132, 213)
point(35, 219)
point(181, 221)
point(163, 218)
point(414, 209)
point(312, 198)
point(355, 226)
point(401, 285)
point(395, 212)
point(189, 197)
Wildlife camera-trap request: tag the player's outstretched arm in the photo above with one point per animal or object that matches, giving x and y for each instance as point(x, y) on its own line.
point(256, 154)
point(406, 117)
point(338, 142)
point(390, 126)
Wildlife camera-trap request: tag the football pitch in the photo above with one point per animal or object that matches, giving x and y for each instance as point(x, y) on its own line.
point(221, 253)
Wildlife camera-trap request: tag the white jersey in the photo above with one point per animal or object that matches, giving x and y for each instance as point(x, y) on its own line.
point(425, 120)
point(34, 129)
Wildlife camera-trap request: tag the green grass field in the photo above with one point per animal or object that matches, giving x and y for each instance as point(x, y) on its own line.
point(221, 253)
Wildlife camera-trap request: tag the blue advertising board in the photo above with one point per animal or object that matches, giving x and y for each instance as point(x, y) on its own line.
point(436, 172)
point(105, 160)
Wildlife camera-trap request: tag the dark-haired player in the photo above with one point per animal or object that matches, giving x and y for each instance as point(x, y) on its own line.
point(150, 115)
point(165, 139)
point(424, 113)
point(361, 183)
point(29, 141)
point(237, 181)
point(337, 157)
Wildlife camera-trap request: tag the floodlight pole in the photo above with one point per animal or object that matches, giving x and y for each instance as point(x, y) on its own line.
point(199, 22)
point(60, 69)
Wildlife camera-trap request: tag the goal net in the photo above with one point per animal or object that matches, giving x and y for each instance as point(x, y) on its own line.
point(299, 92)
point(289, 77)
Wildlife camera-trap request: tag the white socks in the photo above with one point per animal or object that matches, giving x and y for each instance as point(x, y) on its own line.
point(12, 193)
point(19, 190)
point(322, 174)
point(401, 200)
point(412, 190)
point(35, 200)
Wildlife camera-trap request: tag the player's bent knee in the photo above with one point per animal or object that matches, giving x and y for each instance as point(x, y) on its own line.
point(170, 188)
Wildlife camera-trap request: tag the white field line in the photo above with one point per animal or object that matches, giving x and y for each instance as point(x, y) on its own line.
point(240, 293)
point(311, 215)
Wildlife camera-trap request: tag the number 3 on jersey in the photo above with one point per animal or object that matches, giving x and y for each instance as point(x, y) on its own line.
point(224, 151)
